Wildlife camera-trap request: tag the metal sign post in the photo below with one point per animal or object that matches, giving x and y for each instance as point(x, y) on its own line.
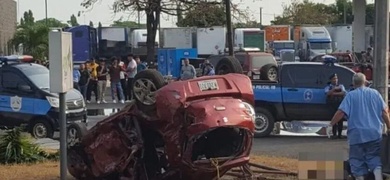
point(61, 81)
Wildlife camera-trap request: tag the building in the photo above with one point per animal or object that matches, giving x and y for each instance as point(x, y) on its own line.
point(8, 23)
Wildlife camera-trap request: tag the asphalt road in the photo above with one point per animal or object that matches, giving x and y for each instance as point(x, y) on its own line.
point(286, 145)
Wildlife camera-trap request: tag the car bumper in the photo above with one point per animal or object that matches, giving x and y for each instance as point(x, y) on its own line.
point(72, 116)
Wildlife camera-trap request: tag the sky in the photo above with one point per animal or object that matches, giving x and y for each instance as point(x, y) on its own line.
point(101, 12)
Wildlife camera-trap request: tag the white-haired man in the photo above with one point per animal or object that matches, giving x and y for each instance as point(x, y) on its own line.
point(365, 109)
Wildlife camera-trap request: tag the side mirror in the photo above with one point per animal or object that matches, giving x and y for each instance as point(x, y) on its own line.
point(26, 88)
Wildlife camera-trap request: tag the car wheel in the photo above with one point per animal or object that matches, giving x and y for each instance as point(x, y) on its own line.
point(75, 132)
point(41, 128)
point(228, 65)
point(269, 72)
point(145, 85)
point(264, 123)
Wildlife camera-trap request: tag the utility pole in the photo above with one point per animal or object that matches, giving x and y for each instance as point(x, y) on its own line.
point(381, 48)
point(261, 16)
point(46, 12)
point(139, 18)
point(345, 12)
point(229, 27)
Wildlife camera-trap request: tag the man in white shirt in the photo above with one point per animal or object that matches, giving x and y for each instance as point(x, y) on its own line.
point(131, 72)
point(123, 79)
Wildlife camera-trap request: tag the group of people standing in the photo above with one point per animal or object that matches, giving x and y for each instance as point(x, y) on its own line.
point(188, 71)
point(93, 77)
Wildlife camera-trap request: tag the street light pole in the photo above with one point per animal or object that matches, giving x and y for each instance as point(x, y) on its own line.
point(229, 27)
point(46, 11)
point(381, 47)
point(261, 16)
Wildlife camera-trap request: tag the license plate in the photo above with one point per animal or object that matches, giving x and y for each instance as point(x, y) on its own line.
point(256, 76)
point(208, 85)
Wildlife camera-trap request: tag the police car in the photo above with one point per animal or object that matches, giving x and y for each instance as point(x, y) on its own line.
point(25, 98)
point(297, 95)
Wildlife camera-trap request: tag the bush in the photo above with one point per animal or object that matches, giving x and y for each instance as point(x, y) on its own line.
point(17, 147)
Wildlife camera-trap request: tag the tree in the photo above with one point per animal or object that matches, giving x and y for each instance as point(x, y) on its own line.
point(51, 23)
point(305, 12)
point(91, 23)
point(34, 40)
point(100, 24)
point(128, 24)
point(28, 19)
point(73, 21)
point(293, 14)
point(33, 35)
point(153, 10)
point(195, 17)
point(249, 24)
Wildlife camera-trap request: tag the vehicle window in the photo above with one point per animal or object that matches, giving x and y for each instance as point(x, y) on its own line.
point(320, 45)
point(261, 60)
point(343, 58)
point(344, 75)
point(304, 76)
point(78, 34)
point(11, 80)
point(284, 45)
point(39, 76)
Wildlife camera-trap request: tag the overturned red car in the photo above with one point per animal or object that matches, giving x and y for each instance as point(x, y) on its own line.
point(190, 130)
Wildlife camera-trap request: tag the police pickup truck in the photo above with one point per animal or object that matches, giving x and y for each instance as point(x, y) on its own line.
point(297, 95)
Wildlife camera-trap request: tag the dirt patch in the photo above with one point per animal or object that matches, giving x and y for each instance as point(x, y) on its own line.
point(51, 170)
point(283, 163)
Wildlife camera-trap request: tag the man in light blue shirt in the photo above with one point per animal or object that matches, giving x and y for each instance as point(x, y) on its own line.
point(365, 111)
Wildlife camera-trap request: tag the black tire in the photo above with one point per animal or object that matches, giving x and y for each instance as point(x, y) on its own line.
point(41, 128)
point(149, 77)
point(74, 133)
point(269, 72)
point(264, 123)
point(228, 65)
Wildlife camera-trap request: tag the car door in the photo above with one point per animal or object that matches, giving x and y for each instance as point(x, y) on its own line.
point(17, 103)
point(345, 78)
point(301, 89)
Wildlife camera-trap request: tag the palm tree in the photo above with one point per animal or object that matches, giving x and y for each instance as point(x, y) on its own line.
point(34, 40)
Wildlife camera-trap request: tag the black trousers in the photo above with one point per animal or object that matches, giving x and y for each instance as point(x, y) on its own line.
point(124, 88)
point(129, 88)
point(337, 129)
point(92, 87)
point(76, 86)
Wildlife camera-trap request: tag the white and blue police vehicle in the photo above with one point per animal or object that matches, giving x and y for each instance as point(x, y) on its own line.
point(298, 94)
point(25, 98)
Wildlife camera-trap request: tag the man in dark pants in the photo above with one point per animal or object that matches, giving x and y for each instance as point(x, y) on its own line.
point(92, 85)
point(131, 72)
point(335, 93)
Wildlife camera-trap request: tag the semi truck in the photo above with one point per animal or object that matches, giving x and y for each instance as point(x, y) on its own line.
point(277, 33)
point(85, 43)
point(312, 41)
point(106, 42)
point(341, 37)
point(250, 38)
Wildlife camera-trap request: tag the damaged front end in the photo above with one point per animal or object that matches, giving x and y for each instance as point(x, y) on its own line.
point(190, 134)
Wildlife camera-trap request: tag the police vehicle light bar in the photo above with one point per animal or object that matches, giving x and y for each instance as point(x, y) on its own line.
point(328, 59)
point(24, 58)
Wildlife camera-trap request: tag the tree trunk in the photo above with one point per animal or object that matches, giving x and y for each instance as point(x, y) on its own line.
point(152, 22)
